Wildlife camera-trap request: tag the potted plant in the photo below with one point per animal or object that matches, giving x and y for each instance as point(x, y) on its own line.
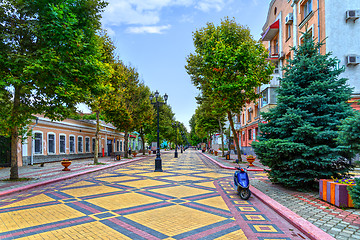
point(216, 153)
point(134, 153)
point(250, 159)
point(66, 163)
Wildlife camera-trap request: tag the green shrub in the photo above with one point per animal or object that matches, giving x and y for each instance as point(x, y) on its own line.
point(355, 193)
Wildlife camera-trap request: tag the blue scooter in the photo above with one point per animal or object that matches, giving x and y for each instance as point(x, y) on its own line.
point(242, 183)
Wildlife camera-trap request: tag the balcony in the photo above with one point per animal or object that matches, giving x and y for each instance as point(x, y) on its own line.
point(271, 31)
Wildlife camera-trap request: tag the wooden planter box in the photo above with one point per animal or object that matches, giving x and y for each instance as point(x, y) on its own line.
point(335, 193)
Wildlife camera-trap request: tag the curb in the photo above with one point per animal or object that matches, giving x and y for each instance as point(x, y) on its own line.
point(309, 229)
point(300, 223)
point(19, 189)
point(231, 168)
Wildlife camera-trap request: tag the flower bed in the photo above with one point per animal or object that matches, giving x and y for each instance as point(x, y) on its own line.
point(335, 193)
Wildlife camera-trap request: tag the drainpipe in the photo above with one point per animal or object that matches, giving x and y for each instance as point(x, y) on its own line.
point(32, 143)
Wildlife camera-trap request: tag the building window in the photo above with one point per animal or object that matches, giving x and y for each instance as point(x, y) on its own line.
point(249, 134)
point(51, 143)
point(243, 133)
point(87, 144)
point(72, 144)
point(307, 8)
point(288, 32)
point(93, 144)
point(117, 145)
point(38, 143)
point(62, 144)
point(121, 146)
point(80, 144)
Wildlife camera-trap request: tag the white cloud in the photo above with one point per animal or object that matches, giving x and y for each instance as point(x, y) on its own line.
point(147, 13)
point(207, 5)
point(148, 29)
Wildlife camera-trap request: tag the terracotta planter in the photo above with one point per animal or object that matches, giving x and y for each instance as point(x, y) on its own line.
point(216, 153)
point(66, 164)
point(335, 193)
point(149, 152)
point(250, 161)
point(134, 154)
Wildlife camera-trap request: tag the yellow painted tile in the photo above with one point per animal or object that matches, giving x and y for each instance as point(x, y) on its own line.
point(79, 184)
point(92, 230)
point(212, 175)
point(247, 209)
point(206, 184)
point(87, 191)
point(181, 191)
point(127, 171)
point(10, 221)
point(183, 178)
point(237, 235)
point(124, 200)
point(156, 174)
point(265, 228)
point(254, 217)
point(216, 202)
point(145, 183)
point(174, 220)
point(41, 198)
point(117, 179)
point(106, 175)
point(261, 174)
point(186, 171)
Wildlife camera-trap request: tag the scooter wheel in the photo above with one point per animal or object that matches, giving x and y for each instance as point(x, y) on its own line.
point(244, 193)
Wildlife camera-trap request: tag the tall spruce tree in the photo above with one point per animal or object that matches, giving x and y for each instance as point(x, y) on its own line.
point(298, 138)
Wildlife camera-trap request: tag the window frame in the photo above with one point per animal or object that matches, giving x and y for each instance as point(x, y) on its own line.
point(48, 143)
point(80, 146)
point(41, 143)
point(72, 152)
point(87, 144)
point(62, 135)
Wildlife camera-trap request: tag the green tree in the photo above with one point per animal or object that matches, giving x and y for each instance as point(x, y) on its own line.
point(298, 142)
point(349, 135)
point(194, 138)
point(49, 60)
point(227, 66)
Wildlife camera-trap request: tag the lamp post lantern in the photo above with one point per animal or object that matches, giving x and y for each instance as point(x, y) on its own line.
point(156, 103)
point(176, 125)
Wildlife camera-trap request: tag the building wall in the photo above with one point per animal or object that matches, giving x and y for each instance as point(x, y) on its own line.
point(344, 38)
point(76, 128)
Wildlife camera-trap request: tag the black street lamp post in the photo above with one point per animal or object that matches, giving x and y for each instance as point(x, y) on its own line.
point(176, 125)
point(158, 165)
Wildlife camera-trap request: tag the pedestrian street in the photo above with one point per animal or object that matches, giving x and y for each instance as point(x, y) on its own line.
point(190, 199)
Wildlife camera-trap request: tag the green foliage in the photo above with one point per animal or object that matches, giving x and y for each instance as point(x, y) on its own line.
point(50, 60)
point(298, 140)
point(349, 134)
point(354, 192)
point(227, 67)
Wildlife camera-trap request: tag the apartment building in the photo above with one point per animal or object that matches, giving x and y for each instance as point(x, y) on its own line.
point(334, 22)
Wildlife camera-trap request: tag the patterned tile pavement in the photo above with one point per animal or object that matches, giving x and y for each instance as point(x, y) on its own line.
point(191, 199)
point(339, 223)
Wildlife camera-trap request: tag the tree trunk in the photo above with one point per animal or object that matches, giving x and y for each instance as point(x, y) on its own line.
point(96, 150)
point(222, 137)
point(235, 135)
point(14, 170)
point(126, 147)
point(143, 143)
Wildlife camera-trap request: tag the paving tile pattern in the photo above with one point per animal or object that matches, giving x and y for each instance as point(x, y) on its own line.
point(191, 199)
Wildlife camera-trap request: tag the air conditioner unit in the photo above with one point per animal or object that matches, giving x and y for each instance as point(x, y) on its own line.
point(352, 60)
point(352, 14)
point(289, 19)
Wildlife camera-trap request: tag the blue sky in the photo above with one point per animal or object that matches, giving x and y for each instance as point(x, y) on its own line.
point(155, 36)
